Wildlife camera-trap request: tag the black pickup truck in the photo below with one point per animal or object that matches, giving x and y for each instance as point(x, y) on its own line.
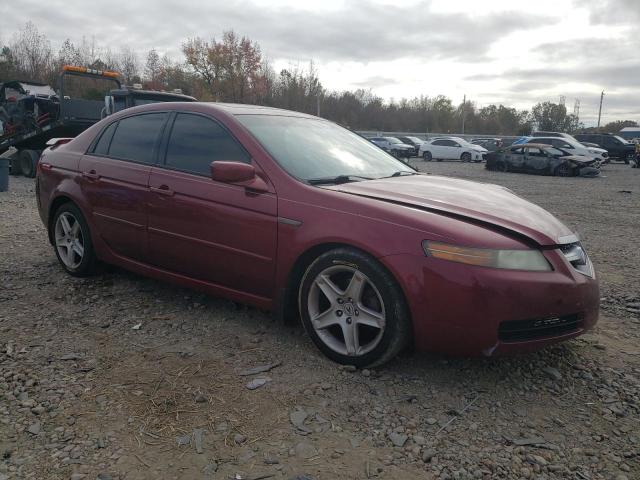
point(617, 146)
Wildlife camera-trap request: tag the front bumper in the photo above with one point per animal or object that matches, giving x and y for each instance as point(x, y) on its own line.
point(466, 310)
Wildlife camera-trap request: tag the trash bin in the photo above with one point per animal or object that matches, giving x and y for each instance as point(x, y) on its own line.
point(4, 174)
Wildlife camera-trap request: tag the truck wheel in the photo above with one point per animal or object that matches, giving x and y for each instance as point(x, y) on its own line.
point(15, 164)
point(28, 162)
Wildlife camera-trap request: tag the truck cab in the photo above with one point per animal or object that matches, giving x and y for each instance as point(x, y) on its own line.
point(132, 97)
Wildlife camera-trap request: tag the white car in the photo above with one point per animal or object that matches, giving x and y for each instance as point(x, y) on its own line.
point(574, 147)
point(452, 148)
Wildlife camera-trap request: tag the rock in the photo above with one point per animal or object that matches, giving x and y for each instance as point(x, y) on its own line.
point(431, 421)
point(398, 439)
point(259, 369)
point(270, 459)
point(428, 454)
point(239, 438)
point(305, 450)
point(200, 398)
point(528, 441)
point(302, 476)
point(197, 439)
point(348, 368)
point(34, 428)
point(297, 418)
point(257, 383)
point(104, 476)
point(366, 373)
point(554, 373)
point(77, 476)
point(183, 440)
point(418, 440)
point(210, 469)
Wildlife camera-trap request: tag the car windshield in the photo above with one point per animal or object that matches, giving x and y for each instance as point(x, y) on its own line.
point(623, 140)
point(310, 148)
point(555, 151)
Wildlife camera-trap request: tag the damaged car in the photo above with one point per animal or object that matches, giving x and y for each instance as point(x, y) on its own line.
point(541, 159)
point(297, 215)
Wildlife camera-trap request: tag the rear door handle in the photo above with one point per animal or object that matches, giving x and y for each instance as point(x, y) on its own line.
point(92, 175)
point(162, 190)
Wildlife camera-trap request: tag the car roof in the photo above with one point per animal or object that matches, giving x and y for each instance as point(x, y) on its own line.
point(532, 144)
point(231, 109)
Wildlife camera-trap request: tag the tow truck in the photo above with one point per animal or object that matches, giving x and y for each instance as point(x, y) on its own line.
point(33, 114)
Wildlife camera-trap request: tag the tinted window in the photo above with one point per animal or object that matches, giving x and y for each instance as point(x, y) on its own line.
point(440, 142)
point(135, 137)
point(102, 147)
point(197, 141)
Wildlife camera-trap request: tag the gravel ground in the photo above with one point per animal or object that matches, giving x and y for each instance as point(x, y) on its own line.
point(122, 377)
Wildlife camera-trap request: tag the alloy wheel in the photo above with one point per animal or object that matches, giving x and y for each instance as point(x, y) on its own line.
point(346, 310)
point(69, 241)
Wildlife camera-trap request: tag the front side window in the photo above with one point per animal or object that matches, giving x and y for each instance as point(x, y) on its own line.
point(196, 141)
point(135, 137)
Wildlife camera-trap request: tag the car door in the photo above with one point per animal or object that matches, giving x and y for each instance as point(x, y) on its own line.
point(438, 149)
point(514, 158)
point(535, 160)
point(114, 180)
point(216, 232)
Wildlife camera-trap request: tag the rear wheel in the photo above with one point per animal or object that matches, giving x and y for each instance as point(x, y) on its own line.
point(465, 157)
point(427, 156)
point(564, 170)
point(72, 241)
point(28, 160)
point(353, 309)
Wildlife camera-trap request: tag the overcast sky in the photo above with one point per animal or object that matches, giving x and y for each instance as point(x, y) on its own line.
point(513, 52)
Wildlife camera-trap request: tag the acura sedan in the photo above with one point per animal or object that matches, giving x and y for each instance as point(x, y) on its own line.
point(294, 214)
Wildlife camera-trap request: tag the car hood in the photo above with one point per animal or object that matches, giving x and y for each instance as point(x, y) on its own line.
point(488, 204)
point(479, 148)
point(579, 159)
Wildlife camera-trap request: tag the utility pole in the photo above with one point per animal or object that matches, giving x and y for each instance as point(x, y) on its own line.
point(318, 105)
point(464, 104)
point(600, 109)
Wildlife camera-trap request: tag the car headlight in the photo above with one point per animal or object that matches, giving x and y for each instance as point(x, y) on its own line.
point(532, 260)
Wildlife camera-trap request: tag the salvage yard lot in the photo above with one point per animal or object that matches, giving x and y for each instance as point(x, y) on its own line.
point(118, 376)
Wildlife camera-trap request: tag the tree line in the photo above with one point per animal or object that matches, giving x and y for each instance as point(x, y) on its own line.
point(234, 69)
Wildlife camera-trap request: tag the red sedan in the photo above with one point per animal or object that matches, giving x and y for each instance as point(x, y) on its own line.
point(295, 214)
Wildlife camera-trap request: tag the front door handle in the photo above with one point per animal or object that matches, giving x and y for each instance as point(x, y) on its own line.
point(162, 190)
point(91, 175)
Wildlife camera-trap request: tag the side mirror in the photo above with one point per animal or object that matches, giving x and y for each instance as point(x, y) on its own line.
point(238, 173)
point(108, 105)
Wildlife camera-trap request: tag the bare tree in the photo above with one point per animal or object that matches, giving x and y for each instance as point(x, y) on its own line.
point(32, 53)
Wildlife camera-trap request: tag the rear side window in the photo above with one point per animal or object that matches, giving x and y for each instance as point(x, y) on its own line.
point(102, 147)
point(135, 138)
point(196, 141)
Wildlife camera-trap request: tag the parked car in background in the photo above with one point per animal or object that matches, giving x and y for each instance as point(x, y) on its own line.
point(451, 148)
point(295, 214)
point(573, 146)
point(415, 141)
point(394, 146)
point(540, 133)
point(491, 144)
point(617, 146)
point(542, 159)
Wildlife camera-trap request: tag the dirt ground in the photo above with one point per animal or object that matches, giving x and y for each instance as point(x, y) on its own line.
point(122, 377)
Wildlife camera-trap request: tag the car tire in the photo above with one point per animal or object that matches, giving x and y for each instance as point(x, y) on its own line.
point(563, 170)
point(628, 158)
point(502, 167)
point(72, 241)
point(28, 160)
point(15, 164)
point(426, 156)
point(465, 157)
point(360, 316)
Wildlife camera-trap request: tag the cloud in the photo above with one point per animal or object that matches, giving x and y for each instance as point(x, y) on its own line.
point(376, 81)
point(364, 31)
point(609, 12)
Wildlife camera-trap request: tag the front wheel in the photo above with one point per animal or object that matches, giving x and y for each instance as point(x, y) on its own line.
point(72, 241)
point(427, 156)
point(353, 309)
point(465, 157)
point(28, 160)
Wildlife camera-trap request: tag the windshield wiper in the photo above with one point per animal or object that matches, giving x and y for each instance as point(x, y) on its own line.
point(337, 180)
point(400, 173)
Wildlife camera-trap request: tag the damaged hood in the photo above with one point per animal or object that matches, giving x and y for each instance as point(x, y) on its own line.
point(579, 159)
point(478, 202)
